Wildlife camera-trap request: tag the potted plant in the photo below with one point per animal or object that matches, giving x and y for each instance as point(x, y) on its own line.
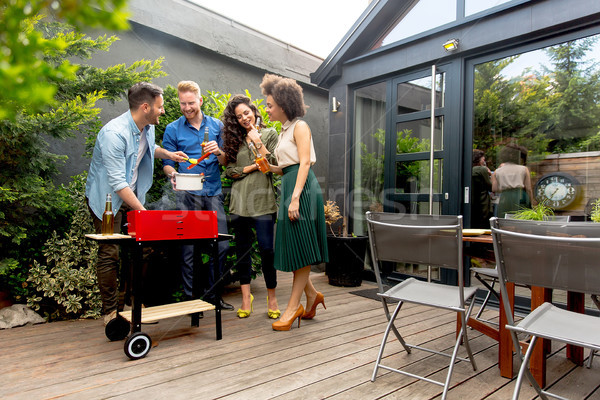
point(346, 253)
point(538, 212)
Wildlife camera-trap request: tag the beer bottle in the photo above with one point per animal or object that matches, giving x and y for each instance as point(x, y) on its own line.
point(108, 218)
point(205, 141)
point(263, 164)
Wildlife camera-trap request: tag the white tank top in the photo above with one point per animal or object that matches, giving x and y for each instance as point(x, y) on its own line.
point(287, 150)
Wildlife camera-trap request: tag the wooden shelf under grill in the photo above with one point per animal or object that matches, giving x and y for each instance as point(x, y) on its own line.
point(153, 314)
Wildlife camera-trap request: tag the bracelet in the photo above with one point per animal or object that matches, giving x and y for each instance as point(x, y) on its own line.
point(218, 155)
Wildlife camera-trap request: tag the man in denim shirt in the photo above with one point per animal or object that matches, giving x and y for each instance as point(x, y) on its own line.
point(187, 134)
point(122, 165)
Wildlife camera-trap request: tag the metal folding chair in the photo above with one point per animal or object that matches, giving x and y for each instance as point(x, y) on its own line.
point(421, 239)
point(552, 255)
point(489, 276)
point(593, 352)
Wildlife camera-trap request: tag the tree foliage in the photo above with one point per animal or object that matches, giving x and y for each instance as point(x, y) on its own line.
point(27, 80)
point(555, 110)
point(31, 206)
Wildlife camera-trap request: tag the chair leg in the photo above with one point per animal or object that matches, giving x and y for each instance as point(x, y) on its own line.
point(524, 370)
point(491, 291)
point(384, 340)
point(483, 305)
point(593, 352)
point(462, 335)
point(591, 358)
point(465, 317)
point(396, 333)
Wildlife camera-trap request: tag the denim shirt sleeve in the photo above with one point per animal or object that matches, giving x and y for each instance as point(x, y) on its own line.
point(114, 147)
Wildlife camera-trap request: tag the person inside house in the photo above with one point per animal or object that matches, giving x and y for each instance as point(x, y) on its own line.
point(512, 180)
point(301, 237)
point(122, 165)
point(481, 186)
point(188, 134)
point(252, 201)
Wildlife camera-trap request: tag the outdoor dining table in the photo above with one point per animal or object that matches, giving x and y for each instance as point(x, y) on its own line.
point(539, 295)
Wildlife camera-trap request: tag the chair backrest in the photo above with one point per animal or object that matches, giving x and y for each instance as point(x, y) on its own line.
point(557, 218)
point(417, 239)
point(548, 254)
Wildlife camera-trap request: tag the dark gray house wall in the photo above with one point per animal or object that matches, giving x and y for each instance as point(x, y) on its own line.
point(218, 53)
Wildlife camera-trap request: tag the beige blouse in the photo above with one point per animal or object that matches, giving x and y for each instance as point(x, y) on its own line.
point(511, 176)
point(287, 150)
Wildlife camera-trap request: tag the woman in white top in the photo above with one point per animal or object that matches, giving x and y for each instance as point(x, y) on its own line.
point(301, 236)
point(512, 181)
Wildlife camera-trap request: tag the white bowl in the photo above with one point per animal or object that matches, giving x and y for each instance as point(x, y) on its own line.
point(189, 181)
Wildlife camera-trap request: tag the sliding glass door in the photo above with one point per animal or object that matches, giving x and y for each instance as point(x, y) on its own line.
point(405, 156)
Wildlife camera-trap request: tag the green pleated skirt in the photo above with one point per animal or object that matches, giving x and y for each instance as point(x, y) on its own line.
point(512, 201)
point(302, 242)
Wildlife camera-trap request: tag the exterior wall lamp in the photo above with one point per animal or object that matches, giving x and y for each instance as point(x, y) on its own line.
point(451, 45)
point(335, 105)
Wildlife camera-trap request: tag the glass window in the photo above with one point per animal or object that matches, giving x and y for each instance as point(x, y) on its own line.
point(537, 120)
point(421, 16)
point(369, 136)
point(415, 95)
point(475, 6)
point(415, 136)
point(413, 177)
point(541, 110)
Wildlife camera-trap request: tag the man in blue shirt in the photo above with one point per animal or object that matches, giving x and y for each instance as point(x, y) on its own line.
point(122, 166)
point(188, 134)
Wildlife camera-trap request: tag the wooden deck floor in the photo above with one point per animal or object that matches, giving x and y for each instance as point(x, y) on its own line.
point(331, 356)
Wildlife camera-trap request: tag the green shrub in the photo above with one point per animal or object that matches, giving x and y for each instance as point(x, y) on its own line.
point(66, 286)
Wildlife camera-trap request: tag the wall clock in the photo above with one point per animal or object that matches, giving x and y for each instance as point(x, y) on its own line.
point(557, 190)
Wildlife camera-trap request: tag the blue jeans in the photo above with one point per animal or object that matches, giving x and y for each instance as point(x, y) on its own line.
point(211, 279)
point(263, 226)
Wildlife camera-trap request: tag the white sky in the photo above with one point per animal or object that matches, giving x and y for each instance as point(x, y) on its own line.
point(316, 26)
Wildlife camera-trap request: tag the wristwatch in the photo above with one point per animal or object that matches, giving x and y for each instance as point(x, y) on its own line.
point(258, 145)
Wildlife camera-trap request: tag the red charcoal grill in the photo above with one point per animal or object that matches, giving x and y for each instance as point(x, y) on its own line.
point(158, 225)
point(149, 225)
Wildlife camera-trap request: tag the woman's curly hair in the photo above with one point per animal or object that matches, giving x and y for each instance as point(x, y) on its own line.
point(234, 134)
point(287, 94)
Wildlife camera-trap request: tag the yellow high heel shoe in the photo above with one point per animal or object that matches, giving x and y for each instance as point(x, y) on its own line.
point(273, 314)
point(246, 313)
point(310, 314)
point(287, 325)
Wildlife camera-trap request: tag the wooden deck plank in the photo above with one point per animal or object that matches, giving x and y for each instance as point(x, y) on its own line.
point(230, 362)
point(330, 356)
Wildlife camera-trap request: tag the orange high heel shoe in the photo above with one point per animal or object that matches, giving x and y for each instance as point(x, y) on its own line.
point(286, 326)
point(310, 314)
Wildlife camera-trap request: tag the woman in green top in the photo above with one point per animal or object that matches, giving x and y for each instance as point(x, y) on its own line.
point(252, 202)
